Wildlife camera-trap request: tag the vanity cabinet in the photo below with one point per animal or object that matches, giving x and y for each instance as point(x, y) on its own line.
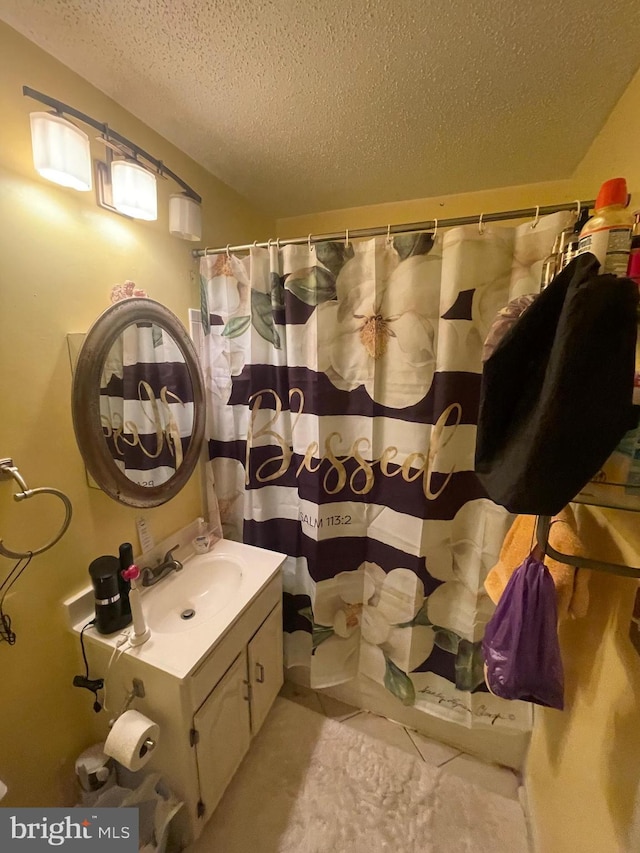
point(235, 710)
point(209, 690)
point(264, 660)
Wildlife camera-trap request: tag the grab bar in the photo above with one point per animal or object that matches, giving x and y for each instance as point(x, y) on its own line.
point(9, 471)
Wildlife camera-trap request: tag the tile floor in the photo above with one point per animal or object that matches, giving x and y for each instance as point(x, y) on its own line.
point(492, 777)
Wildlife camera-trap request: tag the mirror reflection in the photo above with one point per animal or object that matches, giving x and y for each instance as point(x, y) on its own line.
point(146, 404)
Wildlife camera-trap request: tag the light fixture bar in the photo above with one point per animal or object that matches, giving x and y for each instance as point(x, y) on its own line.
point(109, 134)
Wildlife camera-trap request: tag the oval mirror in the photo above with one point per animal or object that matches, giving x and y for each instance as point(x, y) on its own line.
point(138, 403)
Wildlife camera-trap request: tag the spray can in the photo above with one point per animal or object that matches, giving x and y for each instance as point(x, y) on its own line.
point(607, 234)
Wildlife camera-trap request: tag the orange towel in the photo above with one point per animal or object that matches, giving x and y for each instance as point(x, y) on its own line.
point(572, 585)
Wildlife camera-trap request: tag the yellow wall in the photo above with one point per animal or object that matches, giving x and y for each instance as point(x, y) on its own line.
point(583, 769)
point(59, 257)
point(583, 773)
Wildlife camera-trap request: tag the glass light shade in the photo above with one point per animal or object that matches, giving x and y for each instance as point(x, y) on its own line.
point(134, 190)
point(61, 151)
point(185, 217)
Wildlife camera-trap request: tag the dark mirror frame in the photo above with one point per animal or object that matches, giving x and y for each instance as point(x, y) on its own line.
point(85, 404)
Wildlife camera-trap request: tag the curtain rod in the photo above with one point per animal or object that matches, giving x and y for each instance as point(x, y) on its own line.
point(404, 228)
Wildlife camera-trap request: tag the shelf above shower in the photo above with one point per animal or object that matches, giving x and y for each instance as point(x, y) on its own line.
point(610, 496)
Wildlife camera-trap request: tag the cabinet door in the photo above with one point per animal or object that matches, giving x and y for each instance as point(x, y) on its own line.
point(224, 733)
point(265, 666)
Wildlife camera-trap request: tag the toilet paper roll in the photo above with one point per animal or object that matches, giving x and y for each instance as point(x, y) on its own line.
point(126, 740)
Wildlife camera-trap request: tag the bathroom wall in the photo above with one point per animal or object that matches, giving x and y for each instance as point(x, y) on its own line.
point(582, 772)
point(59, 257)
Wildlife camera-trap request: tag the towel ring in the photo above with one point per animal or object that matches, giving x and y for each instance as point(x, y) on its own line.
point(9, 470)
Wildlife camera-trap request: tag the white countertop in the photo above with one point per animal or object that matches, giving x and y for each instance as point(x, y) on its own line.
point(180, 652)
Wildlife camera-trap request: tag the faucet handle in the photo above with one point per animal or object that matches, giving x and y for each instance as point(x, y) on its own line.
point(167, 556)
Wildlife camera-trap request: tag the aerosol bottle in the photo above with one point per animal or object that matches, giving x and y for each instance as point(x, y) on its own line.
point(607, 234)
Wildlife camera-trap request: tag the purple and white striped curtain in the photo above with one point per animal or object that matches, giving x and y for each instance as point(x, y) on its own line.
point(343, 387)
point(146, 404)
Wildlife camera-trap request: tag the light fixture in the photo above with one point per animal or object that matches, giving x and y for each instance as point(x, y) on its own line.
point(185, 217)
point(134, 190)
point(61, 151)
point(125, 184)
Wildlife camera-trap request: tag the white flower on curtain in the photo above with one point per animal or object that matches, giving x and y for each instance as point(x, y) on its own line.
point(362, 624)
point(382, 330)
point(462, 557)
point(222, 359)
point(228, 293)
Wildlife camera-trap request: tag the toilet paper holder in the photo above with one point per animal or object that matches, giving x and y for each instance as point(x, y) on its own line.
point(137, 692)
point(147, 746)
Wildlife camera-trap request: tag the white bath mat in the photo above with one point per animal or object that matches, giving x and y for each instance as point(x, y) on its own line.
point(312, 785)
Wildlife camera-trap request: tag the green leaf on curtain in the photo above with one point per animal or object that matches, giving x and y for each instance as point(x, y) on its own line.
point(312, 285)
point(236, 326)
point(204, 306)
point(334, 255)
point(446, 640)
point(407, 245)
point(156, 335)
point(277, 290)
point(262, 317)
point(307, 612)
point(399, 683)
point(420, 618)
point(320, 634)
point(469, 665)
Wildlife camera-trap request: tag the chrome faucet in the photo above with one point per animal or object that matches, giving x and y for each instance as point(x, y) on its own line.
point(151, 576)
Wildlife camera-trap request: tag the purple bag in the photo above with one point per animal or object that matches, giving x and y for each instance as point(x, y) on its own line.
point(520, 645)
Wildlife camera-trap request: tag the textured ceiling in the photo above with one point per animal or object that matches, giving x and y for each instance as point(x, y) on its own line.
point(308, 106)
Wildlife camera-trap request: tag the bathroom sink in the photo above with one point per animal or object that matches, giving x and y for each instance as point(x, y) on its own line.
point(186, 599)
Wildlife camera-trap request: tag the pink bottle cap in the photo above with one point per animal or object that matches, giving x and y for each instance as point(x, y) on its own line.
point(132, 573)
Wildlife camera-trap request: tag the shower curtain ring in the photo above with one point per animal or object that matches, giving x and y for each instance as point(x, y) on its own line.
point(578, 208)
point(537, 219)
point(346, 238)
point(309, 243)
point(389, 234)
point(435, 230)
point(206, 249)
point(278, 243)
point(269, 242)
point(480, 225)
point(228, 253)
point(255, 244)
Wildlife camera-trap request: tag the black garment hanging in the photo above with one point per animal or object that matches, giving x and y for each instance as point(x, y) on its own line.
point(556, 392)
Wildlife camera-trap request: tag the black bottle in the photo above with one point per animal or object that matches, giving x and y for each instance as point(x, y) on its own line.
point(126, 560)
point(110, 617)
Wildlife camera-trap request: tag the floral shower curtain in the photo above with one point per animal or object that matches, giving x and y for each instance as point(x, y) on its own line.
point(343, 388)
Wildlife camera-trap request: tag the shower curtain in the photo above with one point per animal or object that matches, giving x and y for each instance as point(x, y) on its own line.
point(343, 385)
